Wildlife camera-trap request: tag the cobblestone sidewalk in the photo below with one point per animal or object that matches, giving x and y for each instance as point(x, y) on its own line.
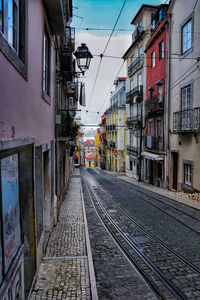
point(66, 269)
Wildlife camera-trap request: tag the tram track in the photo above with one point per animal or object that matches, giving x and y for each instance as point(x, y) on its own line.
point(153, 198)
point(164, 284)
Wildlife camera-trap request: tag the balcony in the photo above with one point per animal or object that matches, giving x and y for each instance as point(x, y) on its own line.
point(135, 92)
point(66, 125)
point(133, 151)
point(154, 105)
point(135, 65)
point(154, 143)
point(55, 11)
point(187, 120)
point(134, 121)
point(196, 119)
point(136, 33)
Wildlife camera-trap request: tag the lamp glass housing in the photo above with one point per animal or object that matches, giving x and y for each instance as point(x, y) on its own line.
point(83, 57)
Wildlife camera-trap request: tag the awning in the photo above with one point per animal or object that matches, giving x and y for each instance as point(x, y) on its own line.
point(152, 156)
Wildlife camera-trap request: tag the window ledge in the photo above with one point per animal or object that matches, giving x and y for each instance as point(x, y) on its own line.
point(12, 56)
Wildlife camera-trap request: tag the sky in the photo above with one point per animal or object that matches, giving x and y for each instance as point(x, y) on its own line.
point(102, 14)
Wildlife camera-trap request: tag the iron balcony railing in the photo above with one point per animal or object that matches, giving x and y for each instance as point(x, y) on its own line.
point(135, 65)
point(133, 151)
point(136, 91)
point(136, 33)
point(154, 105)
point(187, 120)
point(66, 126)
point(68, 41)
point(133, 121)
point(154, 143)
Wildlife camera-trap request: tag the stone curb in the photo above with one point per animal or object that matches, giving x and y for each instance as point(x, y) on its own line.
point(93, 286)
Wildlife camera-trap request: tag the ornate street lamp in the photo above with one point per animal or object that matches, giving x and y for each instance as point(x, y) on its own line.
point(83, 57)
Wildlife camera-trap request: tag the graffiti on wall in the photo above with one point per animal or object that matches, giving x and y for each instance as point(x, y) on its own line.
point(10, 207)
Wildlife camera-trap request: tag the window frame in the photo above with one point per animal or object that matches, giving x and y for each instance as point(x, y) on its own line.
point(161, 50)
point(18, 58)
point(153, 59)
point(189, 175)
point(184, 23)
point(46, 86)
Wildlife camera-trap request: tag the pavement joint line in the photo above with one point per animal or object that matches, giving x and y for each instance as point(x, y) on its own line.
point(64, 257)
point(93, 286)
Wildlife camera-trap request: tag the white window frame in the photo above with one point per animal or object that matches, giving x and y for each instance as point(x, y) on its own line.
point(186, 36)
point(188, 174)
point(153, 59)
point(46, 64)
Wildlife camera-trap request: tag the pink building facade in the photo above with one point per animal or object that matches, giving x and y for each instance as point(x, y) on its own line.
point(28, 198)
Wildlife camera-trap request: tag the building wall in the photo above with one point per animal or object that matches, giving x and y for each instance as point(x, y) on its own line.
point(183, 72)
point(24, 100)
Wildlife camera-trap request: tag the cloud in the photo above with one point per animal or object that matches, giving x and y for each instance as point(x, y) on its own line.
point(108, 70)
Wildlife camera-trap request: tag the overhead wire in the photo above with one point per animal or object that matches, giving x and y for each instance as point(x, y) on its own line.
point(101, 56)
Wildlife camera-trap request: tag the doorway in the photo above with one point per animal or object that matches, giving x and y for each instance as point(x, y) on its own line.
point(175, 169)
point(151, 171)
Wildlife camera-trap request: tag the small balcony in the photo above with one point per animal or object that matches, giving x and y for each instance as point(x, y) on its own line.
point(154, 143)
point(136, 33)
point(133, 151)
point(154, 105)
point(134, 121)
point(137, 64)
point(66, 125)
point(135, 92)
point(186, 120)
point(196, 119)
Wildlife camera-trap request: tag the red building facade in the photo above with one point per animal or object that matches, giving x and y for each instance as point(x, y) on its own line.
point(154, 143)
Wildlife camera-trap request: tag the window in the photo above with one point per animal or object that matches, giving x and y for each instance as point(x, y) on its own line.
point(140, 26)
point(159, 128)
point(154, 24)
point(186, 36)
point(151, 128)
point(160, 14)
point(161, 50)
point(160, 93)
point(46, 65)
point(140, 53)
point(188, 174)
point(13, 31)
point(186, 103)
point(131, 165)
point(9, 21)
point(153, 63)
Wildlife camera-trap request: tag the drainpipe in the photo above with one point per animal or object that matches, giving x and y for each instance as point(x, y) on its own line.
point(168, 103)
point(140, 148)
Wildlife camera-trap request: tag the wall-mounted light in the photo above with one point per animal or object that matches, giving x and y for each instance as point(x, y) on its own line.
point(83, 57)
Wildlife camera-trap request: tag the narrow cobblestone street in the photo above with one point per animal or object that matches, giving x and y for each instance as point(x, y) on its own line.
point(64, 271)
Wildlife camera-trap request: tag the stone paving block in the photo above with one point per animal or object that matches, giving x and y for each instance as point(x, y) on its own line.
point(67, 239)
point(62, 279)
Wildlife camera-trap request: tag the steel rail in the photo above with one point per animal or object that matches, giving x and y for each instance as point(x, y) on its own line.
point(170, 286)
